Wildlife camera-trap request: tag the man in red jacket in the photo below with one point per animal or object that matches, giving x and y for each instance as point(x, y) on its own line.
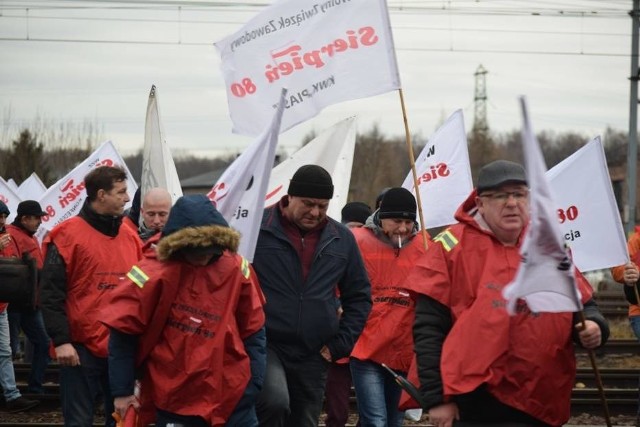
point(191, 316)
point(87, 257)
point(27, 317)
point(476, 363)
point(14, 400)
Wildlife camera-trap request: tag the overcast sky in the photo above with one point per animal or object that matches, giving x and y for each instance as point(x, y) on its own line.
point(95, 61)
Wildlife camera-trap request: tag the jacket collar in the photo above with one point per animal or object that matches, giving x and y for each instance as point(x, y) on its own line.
point(105, 224)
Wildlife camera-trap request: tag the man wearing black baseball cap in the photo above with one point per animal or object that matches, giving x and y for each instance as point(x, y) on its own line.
point(302, 257)
point(14, 401)
point(27, 317)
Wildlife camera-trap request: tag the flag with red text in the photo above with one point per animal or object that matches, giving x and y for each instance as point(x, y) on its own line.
point(10, 198)
point(322, 52)
point(64, 199)
point(444, 173)
point(587, 210)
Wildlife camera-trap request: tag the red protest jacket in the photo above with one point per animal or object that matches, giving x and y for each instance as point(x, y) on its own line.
point(26, 243)
point(96, 264)
point(10, 251)
point(387, 336)
point(526, 360)
point(191, 321)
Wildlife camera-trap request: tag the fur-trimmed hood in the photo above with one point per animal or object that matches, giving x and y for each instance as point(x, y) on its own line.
point(198, 237)
point(195, 223)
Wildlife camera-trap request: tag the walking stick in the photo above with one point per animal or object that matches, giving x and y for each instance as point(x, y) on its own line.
point(596, 373)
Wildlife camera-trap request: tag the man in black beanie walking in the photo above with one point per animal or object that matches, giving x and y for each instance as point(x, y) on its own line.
point(304, 259)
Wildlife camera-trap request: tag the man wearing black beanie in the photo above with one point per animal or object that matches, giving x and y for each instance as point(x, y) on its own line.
point(302, 258)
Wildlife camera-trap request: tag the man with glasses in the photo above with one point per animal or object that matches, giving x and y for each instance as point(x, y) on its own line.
point(476, 363)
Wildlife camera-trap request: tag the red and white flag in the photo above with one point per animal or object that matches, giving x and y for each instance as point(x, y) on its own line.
point(444, 173)
point(239, 192)
point(333, 150)
point(545, 279)
point(322, 52)
point(10, 198)
point(587, 210)
point(158, 168)
point(64, 199)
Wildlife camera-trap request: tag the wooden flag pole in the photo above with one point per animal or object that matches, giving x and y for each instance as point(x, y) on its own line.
point(596, 373)
point(412, 160)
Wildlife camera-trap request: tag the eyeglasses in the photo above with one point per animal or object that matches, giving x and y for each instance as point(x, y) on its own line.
point(503, 196)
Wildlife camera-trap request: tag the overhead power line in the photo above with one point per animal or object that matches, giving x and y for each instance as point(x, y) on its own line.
point(522, 8)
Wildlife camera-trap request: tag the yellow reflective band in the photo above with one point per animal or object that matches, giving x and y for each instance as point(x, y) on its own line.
point(137, 276)
point(244, 267)
point(447, 240)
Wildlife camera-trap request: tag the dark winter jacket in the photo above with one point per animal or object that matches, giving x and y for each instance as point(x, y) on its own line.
point(301, 314)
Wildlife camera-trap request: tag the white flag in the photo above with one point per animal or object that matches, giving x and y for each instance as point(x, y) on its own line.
point(545, 278)
point(64, 199)
point(10, 198)
point(333, 150)
point(322, 52)
point(239, 192)
point(12, 184)
point(444, 173)
point(31, 188)
point(587, 210)
point(158, 169)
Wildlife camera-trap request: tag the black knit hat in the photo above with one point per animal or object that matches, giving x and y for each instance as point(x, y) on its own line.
point(311, 181)
point(4, 209)
point(498, 173)
point(397, 202)
point(355, 212)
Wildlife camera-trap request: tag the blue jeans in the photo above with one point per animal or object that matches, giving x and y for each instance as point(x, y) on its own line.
point(292, 392)
point(7, 375)
point(80, 387)
point(30, 321)
point(377, 393)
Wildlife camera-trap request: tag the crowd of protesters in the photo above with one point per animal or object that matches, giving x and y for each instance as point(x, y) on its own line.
point(156, 312)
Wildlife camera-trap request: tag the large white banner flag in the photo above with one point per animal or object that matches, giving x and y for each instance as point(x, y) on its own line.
point(444, 173)
point(322, 52)
point(239, 192)
point(158, 168)
point(587, 209)
point(10, 198)
point(32, 188)
point(64, 199)
point(333, 150)
point(545, 278)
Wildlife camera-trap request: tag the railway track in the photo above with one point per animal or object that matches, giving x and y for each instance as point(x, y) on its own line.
point(620, 384)
point(621, 391)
